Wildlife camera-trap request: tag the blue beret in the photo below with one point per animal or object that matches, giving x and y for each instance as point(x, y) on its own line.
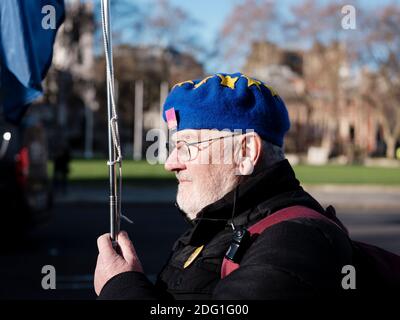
point(229, 101)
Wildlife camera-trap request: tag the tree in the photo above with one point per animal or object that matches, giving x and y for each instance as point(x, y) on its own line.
point(313, 21)
point(154, 23)
point(381, 51)
point(171, 26)
point(128, 21)
point(249, 21)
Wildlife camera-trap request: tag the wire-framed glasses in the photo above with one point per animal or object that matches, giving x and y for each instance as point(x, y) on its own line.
point(188, 151)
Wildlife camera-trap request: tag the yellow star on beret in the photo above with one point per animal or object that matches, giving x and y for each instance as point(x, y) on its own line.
point(251, 81)
point(227, 81)
point(182, 83)
point(272, 90)
point(202, 82)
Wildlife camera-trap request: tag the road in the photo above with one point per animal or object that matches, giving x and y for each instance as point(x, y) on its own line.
point(68, 242)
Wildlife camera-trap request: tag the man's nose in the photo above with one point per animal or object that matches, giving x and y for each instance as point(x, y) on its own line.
point(173, 163)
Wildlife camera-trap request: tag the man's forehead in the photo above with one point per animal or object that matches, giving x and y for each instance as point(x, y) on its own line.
point(186, 135)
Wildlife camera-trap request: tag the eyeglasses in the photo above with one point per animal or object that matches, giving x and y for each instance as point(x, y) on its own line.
point(188, 151)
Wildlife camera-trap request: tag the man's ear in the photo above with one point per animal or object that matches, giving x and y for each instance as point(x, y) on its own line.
point(249, 155)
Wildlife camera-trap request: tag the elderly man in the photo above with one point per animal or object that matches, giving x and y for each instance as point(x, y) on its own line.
point(227, 138)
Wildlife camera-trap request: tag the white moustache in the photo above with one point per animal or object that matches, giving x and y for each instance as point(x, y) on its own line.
point(183, 177)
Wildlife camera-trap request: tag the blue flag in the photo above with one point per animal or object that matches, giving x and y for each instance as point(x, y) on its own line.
point(27, 33)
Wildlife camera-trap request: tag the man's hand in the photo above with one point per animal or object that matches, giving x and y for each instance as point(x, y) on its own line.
point(110, 263)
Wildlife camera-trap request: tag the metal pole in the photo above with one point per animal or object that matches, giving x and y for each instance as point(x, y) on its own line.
point(114, 207)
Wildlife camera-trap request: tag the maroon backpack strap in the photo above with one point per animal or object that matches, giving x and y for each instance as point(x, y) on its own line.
point(285, 214)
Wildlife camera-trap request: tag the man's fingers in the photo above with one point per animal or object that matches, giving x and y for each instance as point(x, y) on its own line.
point(105, 245)
point(128, 250)
point(126, 246)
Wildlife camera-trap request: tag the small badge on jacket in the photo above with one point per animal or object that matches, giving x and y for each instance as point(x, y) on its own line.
point(193, 256)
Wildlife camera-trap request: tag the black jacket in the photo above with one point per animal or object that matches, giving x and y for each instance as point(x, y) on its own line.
point(293, 259)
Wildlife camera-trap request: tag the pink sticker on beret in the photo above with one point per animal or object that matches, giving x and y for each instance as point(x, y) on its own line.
point(171, 118)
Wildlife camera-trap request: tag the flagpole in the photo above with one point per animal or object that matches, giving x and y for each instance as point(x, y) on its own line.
point(114, 152)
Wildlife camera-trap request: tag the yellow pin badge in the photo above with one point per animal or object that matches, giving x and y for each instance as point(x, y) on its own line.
point(193, 256)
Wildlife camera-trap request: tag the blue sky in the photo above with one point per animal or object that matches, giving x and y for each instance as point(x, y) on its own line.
point(211, 13)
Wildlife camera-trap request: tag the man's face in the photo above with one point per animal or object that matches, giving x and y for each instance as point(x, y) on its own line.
point(208, 175)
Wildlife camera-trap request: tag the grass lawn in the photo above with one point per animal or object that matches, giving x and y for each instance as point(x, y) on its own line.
point(95, 170)
point(336, 174)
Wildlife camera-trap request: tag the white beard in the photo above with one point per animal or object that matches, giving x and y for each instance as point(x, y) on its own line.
point(192, 199)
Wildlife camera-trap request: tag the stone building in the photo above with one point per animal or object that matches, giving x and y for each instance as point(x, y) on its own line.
point(322, 96)
point(75, 87)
